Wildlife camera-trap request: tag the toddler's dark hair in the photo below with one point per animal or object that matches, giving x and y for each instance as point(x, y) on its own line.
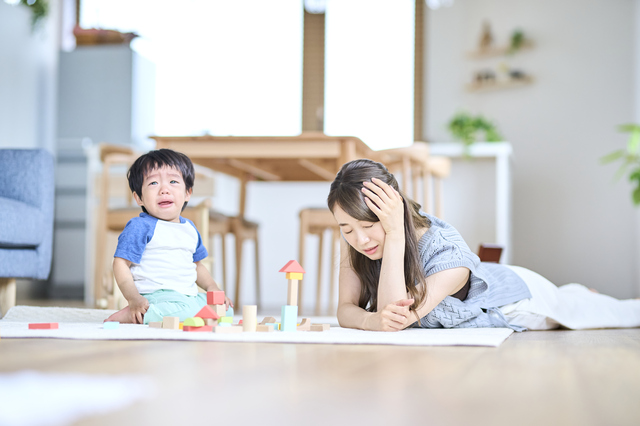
point(157, 159)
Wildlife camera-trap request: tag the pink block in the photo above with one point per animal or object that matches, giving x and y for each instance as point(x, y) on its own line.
point(43, 326)
point(207, 312)
point(203, 328)
point(215, 298)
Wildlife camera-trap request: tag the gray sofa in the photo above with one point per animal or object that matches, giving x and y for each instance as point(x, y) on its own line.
point(26, 218)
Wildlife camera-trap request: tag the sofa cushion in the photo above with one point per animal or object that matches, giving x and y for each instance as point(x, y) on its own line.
point(22, 224)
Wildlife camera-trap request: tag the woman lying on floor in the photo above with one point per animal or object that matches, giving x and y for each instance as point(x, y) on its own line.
point(401, 267)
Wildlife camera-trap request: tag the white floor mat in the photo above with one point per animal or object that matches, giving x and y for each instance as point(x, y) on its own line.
point(87, 324)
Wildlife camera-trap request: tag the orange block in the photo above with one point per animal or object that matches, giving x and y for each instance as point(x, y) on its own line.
point(43, 326)
point(215, 298)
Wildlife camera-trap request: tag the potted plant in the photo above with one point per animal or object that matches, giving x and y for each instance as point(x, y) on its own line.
point(630, 158)
point(466, 128)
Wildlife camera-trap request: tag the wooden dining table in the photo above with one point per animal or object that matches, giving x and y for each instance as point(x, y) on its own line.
point(310, 156)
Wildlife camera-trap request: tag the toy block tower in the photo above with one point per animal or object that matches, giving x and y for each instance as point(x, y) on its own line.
point(290, 311)
point(215, 299)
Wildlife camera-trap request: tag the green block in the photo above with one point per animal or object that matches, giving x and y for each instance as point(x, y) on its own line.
point(228, 320)
point(193, 322)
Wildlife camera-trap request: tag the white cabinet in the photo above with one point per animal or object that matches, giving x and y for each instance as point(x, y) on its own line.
point(477, 194)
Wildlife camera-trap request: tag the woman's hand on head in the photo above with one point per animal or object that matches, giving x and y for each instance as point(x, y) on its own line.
point(394, 317)
point(386, 203)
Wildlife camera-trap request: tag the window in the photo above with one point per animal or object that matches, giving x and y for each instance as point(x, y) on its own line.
point(222, 67)
point(369, 71)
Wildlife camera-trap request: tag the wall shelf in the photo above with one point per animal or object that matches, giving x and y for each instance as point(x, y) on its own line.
point(491, 86)
point(497, 51)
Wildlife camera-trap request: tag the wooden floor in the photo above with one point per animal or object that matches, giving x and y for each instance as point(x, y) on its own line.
point(534, 378)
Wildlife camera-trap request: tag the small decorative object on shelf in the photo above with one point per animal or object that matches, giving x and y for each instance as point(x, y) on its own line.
point(486, 38)
point(630, 159)
point(503, 76)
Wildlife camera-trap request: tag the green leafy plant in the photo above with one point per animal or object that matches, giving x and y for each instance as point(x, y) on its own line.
point(630, 158)
point(465, 128)
point(39, 10)
point(517, 41)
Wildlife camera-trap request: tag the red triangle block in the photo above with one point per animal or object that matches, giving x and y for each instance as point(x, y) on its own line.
point(207, 312)
point(292, 266)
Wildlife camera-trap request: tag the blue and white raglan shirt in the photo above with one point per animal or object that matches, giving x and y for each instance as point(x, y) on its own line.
point(162, 254)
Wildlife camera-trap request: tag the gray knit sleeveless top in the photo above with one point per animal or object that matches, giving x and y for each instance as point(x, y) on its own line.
point(492, 285)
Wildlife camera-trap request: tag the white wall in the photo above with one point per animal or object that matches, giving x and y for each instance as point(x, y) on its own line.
point(571, 223)
point(28, 78)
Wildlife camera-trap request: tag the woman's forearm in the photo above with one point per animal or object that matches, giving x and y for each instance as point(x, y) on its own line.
point(352, 316)
point(391, 286)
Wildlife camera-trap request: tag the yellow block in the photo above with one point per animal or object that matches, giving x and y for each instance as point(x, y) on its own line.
point(294, 275)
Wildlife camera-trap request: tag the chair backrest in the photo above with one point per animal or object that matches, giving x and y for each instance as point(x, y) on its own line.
point(419, 174)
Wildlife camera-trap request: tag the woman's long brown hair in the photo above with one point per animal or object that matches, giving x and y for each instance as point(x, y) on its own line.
point(346, 192)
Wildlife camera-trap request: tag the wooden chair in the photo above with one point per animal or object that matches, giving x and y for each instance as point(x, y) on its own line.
point(317, 221)
point(416, 169)
point(244, 230)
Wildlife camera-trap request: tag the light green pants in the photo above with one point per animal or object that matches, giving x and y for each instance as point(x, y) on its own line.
point(169, 303)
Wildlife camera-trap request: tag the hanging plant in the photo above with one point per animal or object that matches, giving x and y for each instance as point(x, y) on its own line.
point(630, 159)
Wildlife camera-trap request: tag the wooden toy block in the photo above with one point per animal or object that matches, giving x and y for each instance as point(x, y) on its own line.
point(194, 322)
point(294, 276)
point(268, 320)
point(229, 312)
point(171, 323)
point(240, 322)
point(155, 324)
point(224, 324)
point(249, 321)
point(180, 326)
point(110, 325)
point(208, 328)
point(43, 326)
point(215, 298)
point(210, 321)
point(230, 329)
point(275, 325)
point(305, 325)
point(292, 266)
point(289, 318)
point(265, 328)
point(320, 327)
point(292, 293)
point(228, 320)
point(207, 312)
point(219, 309)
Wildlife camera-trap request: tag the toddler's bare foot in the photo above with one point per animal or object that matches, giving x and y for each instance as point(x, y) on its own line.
point(123, 316)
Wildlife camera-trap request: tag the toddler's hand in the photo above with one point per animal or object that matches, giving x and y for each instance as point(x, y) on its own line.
point(227, 302)
point(138, 306)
